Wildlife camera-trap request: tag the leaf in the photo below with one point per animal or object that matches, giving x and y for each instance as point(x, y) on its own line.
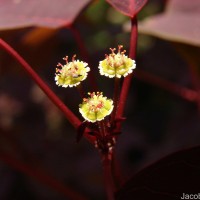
point(54, 14)
point(180, 22)
point(167, 179)
point(128, 7)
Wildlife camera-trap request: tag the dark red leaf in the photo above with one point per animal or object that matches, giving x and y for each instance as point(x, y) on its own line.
point(54, 13)
point(167, 179)
point(128, 7)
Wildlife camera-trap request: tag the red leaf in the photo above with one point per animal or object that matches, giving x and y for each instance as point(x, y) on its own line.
point(167, 179)
point(54, 13)
point(180, 22)
point(128, 7)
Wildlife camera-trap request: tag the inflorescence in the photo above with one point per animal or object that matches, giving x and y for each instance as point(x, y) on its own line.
point(96, 107)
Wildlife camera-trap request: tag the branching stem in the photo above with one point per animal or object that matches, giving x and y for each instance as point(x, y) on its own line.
point(54, 98)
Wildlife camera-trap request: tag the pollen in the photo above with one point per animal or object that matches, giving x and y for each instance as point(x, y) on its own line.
point(116, 64)
point(96, 107)
point(72, 73)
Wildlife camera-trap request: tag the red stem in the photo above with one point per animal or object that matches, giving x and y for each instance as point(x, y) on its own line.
point(115, 98)
point(185, 93)
point(108, 179)
point(127, 80)
point(193, 69)
point(52, 96)
point(117, 173)
point(41, 176)
point(67, 112)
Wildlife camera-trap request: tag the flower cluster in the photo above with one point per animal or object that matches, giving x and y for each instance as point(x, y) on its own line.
point(96, 107)
point(72, 73)
point(116, 64)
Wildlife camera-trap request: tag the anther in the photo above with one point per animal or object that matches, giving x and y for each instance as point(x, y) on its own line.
point(119, 48)
point(66, 59)
point(73, 57)
point(113, 50)
point(59, 65)
point(109, 144)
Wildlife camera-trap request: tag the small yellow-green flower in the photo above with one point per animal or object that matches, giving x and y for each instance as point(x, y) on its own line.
point(116, 64)
point(72, 73)
point(96, 107)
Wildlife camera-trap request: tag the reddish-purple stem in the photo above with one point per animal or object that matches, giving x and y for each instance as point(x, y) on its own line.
point(40, 176)
point(115, 98)
point(108, 178)
point(193, 70)
point(195, 80)
point(127, 80)
point(67, 112)
point(117, 172)
point(185, 93)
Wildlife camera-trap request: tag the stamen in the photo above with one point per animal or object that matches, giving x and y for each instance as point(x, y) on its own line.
point(59, 65)
point(66, 59)
point(73, 57)
point(58, 70)
point(120, 47)
point(112, 51)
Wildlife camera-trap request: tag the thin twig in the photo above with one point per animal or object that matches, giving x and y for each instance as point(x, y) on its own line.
point(108, 179)
point(68, 113)
point(115, 98)
point(127, 80)
point(117, 172)
point(193, 69)
point(185, 93)
point(73, 119)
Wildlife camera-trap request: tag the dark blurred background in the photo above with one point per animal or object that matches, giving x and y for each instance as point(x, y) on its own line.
point(35, 132)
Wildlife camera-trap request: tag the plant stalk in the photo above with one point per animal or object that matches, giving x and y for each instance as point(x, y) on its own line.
point(54, 98)
point(184, 92)
point(127, 80)
point(107, 173)
point(72, 118)
point(115, 98)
